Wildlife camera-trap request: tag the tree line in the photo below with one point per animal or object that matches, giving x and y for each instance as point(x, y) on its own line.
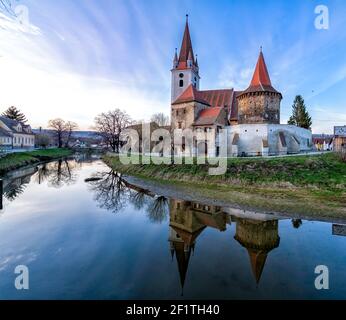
point(110, 125)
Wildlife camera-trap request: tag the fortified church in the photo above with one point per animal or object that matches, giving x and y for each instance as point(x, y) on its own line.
point(251, 116)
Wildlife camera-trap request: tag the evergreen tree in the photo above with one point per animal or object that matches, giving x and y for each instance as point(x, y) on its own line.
point(300, 116)
point(15, 114)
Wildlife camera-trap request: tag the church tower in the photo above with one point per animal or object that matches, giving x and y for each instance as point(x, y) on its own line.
point(260, 102)
point(259, 238)
point(185, 69)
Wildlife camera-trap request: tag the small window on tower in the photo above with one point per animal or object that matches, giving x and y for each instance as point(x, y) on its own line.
point(181, 75)
point(195, 79)
point(181, 83)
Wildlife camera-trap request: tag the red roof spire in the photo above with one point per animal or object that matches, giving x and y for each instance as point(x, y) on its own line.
point(261, 75)
point(186, 47)
point(260, 80)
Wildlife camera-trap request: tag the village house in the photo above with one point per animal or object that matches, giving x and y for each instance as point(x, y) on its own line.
point(323, 142)
point(15, 134)
point(339, 144)
point(251, 117)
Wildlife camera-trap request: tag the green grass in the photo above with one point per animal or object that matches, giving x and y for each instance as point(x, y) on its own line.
point(322, 171)
point(316, 181)
point(16, 160)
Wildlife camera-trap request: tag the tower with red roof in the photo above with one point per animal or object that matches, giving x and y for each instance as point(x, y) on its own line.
point(260, 102)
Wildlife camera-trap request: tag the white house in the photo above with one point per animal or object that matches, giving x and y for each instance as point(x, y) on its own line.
point(15, 134)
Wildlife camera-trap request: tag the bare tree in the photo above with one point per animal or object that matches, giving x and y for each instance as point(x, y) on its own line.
point(110, 125)
point(69, 127)
point(157, 210)
point(58, 126)
point(111, 192)
point(63, 130)
point(160, 118)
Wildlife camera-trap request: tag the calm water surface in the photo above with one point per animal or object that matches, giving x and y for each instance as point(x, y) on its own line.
point(106, 239)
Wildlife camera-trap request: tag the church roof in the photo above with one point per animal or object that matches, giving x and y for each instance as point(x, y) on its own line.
point(260, 80)
point(257, 260)
point(261, 75)
point(186, 51)
point(188, 237)
point(218, 98)
point(216, 221)
point(183, 258)
point(207, 116)
point(191, 94)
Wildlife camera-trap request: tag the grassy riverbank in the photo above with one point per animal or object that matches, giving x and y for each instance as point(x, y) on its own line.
point(16, 160)
point(296, 183)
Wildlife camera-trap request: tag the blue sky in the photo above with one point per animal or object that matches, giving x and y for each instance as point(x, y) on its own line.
point(75, 59)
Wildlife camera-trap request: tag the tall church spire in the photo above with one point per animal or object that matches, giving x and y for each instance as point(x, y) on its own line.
point(186, 47)
point(185, 71)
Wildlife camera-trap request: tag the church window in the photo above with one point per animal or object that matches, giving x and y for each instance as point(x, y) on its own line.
point(184, 111)
point(181, 83)
point(195, 79)
point(177, 113)
point(181, 75)
point(179, 125)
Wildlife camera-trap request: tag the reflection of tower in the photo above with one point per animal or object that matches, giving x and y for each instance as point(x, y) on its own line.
point(184, 230)
point(187, 221)
point(259, 238)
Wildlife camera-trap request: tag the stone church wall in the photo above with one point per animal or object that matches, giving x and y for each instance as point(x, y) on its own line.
point(259, 108)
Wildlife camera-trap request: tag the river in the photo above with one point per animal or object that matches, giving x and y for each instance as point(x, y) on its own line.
point(107, 239)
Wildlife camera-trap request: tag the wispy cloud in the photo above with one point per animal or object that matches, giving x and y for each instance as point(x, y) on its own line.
point(78, 58)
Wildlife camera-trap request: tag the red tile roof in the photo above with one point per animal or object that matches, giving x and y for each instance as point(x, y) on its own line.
point(191, 94)
point(260, 79)
point(261, 75)
point(208, 116)
point(218, 98)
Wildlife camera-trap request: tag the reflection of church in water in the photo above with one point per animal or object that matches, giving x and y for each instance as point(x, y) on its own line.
point(189, 219)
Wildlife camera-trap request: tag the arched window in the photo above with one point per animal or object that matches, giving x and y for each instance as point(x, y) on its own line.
point(181, 83)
